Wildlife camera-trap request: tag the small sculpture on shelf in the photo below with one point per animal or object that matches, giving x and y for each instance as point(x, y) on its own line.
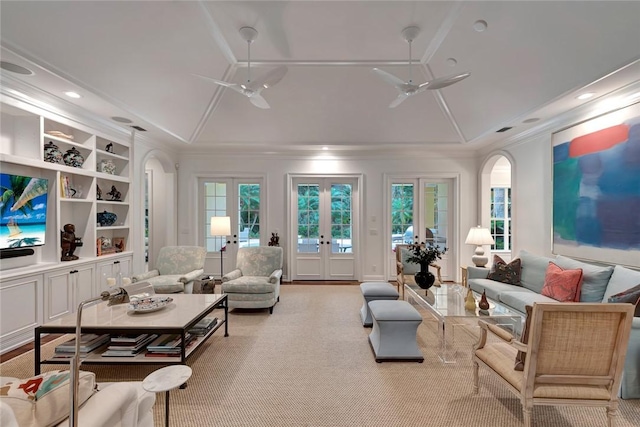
point(470, 301)
point(115, 195)
point(68, 243)
point(98, 192)
point(484, 303)
point(275, 240)
point(109, 148)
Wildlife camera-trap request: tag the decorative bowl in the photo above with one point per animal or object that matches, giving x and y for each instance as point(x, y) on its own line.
point(106, 219)
point(148, 305)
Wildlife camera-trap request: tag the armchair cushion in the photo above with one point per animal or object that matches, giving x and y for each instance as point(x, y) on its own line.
point(180, 259)
point(249, 285)
point(145, 276)
point(177, 267)
point(259, 261)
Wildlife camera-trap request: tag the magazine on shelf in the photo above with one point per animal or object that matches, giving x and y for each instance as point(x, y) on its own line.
point(131, 347)
point(168, 343)
point(128, 338)
point(88, 342)
point(203, 326)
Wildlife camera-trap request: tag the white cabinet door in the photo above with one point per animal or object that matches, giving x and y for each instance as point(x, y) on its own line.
point(21, 308)
point(58, 293)
point(111, 268)
point(84, 284)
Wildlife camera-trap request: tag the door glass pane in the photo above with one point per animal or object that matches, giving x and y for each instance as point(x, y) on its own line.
point(215, 195)
point(401, 214)
point(308, 218)
point(248, 215)
point(341, 218)
point(436, 199)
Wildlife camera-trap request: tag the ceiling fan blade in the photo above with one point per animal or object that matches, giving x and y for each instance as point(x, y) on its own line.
point(269, 79)
point(257, 100)
point(444, 81)
point(388, 77)
point(233, 86)
point(398, 100)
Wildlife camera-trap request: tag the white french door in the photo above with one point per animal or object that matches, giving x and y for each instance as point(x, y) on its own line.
point(422, 211)
point(323, 238)
point(240, 199)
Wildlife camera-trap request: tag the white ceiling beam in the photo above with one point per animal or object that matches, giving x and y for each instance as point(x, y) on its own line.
point(216, 34)
point(443, 31)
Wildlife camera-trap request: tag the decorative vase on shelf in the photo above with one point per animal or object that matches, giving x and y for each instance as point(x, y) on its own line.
point(470, 301)
point(52, 153)
point(106, 219)
point(484, 303)
point(73, 158)
point(107, 166)
point(424, 278)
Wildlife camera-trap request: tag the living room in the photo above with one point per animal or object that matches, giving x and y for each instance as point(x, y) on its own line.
point(140, 60)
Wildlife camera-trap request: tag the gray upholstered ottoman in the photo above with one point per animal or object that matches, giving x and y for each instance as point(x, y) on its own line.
point(372, 291)
point(394, 334)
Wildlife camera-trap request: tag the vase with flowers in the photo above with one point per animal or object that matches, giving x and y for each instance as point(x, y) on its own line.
point(424, 255)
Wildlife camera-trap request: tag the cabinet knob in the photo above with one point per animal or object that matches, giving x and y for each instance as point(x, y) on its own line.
point(116, 262)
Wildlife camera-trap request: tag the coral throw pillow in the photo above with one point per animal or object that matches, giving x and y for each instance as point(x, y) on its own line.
point(505, 273)
point(562, 285)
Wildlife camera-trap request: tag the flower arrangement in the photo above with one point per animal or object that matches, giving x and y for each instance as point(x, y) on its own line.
point(425, 255)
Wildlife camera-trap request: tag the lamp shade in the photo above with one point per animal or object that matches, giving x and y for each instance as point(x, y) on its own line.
point(220, 225)
point(479, 236)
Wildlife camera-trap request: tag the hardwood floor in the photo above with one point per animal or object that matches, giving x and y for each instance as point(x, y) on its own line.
point(45, 339)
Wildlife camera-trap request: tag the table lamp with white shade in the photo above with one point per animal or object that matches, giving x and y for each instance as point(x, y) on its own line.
point(479, 236)
point(221, 227)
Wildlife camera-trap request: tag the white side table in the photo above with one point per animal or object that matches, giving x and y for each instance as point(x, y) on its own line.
point(166, 379)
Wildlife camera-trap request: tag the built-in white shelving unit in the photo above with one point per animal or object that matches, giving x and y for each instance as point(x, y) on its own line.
point(40, 287)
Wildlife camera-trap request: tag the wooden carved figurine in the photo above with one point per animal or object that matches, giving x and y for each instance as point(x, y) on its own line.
point(483, 304)
point(275, 240)
point(68, 243)
point(98, 192)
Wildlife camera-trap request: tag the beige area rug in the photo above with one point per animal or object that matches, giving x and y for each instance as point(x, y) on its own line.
point(310, 364)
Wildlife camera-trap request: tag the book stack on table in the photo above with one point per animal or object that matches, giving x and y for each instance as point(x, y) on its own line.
point(88, 343)
point(168, 345)
point(128, 345)
point(204, 326)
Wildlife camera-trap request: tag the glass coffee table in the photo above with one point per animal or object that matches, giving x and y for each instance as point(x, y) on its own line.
point(446, 304)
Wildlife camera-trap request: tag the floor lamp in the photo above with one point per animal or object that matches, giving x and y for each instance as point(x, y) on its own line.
point(221, 227)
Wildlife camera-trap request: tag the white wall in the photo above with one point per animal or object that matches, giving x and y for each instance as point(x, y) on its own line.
point(373, 170)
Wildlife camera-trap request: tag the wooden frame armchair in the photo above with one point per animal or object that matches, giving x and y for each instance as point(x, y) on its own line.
point(574, 356)
point(406, 270)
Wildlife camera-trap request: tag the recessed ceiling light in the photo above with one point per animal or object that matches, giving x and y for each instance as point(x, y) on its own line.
point(480, 25)
point(585, 95)
point(325, 148)
point(121, 119)
point(451, 62)
point(531, 120)
point(72, 94)
point(14, 68)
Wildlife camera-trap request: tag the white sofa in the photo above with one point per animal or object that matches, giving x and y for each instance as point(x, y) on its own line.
point(599, 283)
point(121, 404)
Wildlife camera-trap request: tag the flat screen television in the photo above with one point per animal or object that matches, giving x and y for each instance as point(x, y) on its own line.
point(23, 211)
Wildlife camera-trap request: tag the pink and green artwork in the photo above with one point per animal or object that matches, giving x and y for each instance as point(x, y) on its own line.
point(596, 188)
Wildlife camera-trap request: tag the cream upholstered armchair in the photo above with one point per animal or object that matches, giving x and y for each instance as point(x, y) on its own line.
point(405, 271)
point(176, 269)
point(255, 283)
point(574, 356)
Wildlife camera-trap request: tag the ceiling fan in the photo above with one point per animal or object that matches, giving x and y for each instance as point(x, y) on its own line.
point(408, 88)
point(252, 89)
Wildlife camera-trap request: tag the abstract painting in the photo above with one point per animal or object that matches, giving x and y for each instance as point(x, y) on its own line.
point(596, 188)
